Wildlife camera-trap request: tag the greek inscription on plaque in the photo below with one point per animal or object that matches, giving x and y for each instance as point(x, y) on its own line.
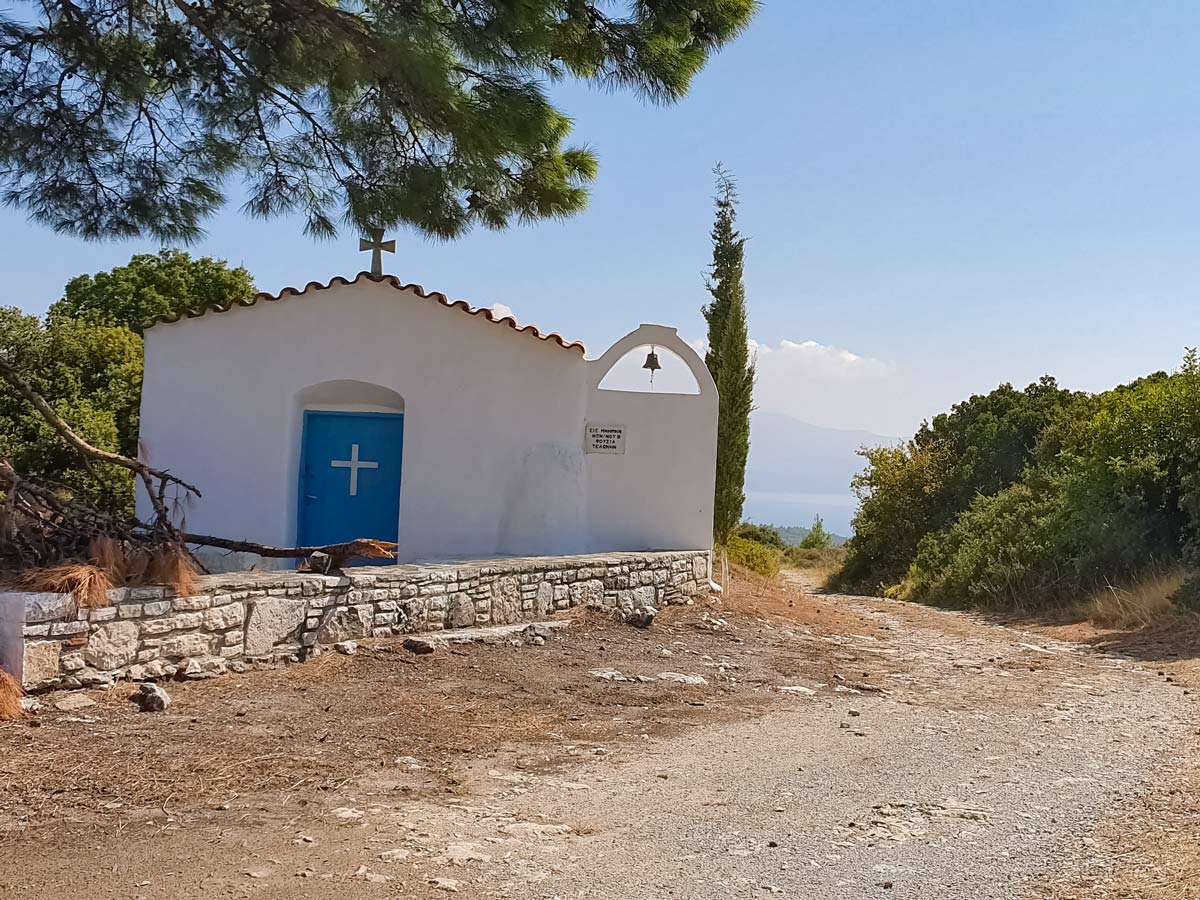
point(604, 439)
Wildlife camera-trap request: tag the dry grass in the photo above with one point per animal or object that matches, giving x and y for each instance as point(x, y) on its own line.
point(172, 567)
point(1148, 602)
point(89, 585)
point(10, 698)
point(108, 555)
point(823, 562)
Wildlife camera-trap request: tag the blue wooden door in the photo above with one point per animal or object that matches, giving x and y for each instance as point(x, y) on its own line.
point(350, 477)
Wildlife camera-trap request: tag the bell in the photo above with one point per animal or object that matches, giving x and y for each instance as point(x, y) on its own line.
point(651, 363)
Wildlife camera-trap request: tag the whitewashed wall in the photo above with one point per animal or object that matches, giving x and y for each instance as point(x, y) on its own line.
point(493, 458)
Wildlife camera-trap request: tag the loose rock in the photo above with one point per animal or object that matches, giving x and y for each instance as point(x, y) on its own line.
point(419, 646)
point(73, 702)
point(642, 616)
point(150, 698)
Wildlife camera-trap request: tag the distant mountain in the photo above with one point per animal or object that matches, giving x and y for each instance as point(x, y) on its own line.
point(792, 535)
point(797, 471)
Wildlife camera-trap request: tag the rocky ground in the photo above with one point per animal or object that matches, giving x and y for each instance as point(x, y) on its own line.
point(772, 743)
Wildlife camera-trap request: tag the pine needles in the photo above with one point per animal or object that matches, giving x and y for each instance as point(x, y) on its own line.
point(171, 566)
point(89, 585)
point(10, 698)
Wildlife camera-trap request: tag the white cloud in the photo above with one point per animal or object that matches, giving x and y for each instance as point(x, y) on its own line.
point(500, 310)
point(830, 386)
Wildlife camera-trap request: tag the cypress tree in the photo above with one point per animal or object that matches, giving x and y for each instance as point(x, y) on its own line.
point(729, 359)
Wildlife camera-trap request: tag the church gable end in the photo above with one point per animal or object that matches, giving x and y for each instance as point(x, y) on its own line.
point(415, 290)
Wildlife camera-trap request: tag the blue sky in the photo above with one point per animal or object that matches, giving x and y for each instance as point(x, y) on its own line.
point(939, 196)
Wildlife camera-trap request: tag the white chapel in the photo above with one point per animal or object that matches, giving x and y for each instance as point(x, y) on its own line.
point(369, 408)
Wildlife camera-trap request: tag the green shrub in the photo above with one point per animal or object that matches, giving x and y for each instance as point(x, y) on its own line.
point(764, 534)
point(754, 556)
point(1036, 497)
point(1188, 595)
point(921, 486)
point(1044, 540)
point(826, 559)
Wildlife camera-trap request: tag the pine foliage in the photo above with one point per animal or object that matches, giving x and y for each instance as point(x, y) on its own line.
point(123, 119)
point(729, 359)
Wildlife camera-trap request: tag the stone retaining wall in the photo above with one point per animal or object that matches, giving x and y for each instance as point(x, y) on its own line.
point(243, 618)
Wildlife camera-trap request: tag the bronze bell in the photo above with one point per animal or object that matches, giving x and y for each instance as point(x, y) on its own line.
point(651, 363)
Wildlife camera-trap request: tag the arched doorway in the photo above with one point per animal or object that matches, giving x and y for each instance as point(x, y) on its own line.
point(351, 454)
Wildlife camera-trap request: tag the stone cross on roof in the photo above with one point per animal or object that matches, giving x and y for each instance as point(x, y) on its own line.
point(376, 245)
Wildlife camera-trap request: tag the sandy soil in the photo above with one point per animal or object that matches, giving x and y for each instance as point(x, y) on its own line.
point(938, 754)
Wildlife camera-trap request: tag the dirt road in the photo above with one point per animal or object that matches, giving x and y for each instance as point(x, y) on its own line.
point(837, 747)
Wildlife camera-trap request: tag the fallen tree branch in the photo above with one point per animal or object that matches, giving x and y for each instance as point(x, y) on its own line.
point(364, 547)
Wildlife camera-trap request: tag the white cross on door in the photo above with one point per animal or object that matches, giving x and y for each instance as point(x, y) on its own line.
point(353, 464)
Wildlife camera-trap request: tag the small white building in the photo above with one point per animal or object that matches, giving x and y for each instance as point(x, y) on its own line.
point(370, 408)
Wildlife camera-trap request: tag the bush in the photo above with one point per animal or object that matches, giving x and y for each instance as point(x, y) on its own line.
point(906, 492)
point(1188, 595)
point(763, 534)
point(1044, 540)
point(752, 555)
point(1036, 498)
point(825, 559)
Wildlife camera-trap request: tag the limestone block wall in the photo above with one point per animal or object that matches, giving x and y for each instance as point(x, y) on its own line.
point(243, 618)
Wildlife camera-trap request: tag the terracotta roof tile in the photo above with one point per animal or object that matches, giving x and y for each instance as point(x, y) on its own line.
point(395, 282)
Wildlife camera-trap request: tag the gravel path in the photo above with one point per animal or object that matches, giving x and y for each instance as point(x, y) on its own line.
point(980, 772)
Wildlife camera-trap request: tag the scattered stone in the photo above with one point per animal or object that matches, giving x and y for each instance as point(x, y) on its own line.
point(642, 616)
point(535, 829)
point(30, 704)
point(348, 813)
point(853, 713)
point(151, 698)
point(682, 678)
point(447, 884)
point(797, 689)
point(89, 677)
point(664, 652)
point(154, 669)
point(346, 648)
point(137, 673)
point(609, 674)
point(461, 853)
point(537, 633)
point(193, 669)
point(365, 873)
point(419, 646)
point(395, 855)
point(73, 702)
point(711, 623)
